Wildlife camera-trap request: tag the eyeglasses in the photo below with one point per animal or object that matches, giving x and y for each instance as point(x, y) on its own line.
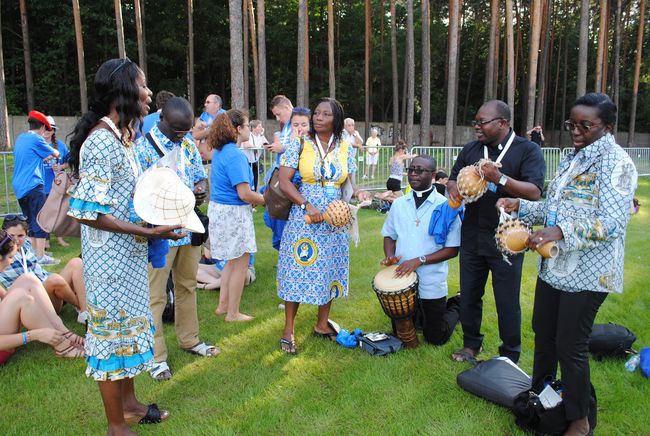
point(15, 217)
point(482, 123)
point(583, 126)
point(125, 61)
point(417, 171)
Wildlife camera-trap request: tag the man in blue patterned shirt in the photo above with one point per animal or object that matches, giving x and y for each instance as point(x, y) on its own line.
point(170, 136)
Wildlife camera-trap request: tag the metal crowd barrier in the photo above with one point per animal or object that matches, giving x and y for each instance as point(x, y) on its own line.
point(8, 202)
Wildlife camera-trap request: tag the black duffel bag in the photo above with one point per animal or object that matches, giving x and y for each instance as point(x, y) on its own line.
point(611, 340)
point(531, 416)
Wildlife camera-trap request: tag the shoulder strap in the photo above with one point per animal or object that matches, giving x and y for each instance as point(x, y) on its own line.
point(154, 144)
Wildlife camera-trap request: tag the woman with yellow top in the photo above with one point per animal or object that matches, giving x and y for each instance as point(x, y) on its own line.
point(313, 265)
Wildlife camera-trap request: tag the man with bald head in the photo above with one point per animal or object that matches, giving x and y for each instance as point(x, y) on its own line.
point(520, 175)
point(213, 108)
point(351, 136)
point(182, 260)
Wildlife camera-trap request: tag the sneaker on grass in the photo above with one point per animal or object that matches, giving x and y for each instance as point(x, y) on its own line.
point(47, 260)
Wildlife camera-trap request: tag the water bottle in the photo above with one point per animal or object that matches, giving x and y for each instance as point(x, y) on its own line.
point(632, 363)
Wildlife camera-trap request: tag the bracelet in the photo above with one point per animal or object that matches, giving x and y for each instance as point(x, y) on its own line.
point(24, 338)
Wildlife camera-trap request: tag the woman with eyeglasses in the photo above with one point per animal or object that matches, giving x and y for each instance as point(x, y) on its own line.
point(313, 265)
point(114, 242)
point(25, 303)
point(232, 232)
point(586, 211)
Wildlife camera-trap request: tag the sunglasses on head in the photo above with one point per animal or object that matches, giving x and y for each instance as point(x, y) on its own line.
point(300, 111)
point(15, 217)
point(125, 61)
point(4, 241)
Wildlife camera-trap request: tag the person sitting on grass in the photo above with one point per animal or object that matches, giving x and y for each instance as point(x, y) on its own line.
point(396, 167)
point(25, 303)
point(209, 275)
point(66, 287)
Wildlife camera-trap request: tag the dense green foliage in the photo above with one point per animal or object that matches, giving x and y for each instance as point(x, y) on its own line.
point(55, 70)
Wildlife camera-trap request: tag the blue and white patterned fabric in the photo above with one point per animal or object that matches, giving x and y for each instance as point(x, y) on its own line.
point(191, 172)
point(592, 209)
point(16, 269)
point(119, 341)
point(313, 265)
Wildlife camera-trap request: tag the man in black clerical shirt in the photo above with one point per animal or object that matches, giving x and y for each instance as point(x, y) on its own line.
point(520, 175)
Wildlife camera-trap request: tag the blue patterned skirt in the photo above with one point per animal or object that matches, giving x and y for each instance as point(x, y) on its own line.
point(313, 266)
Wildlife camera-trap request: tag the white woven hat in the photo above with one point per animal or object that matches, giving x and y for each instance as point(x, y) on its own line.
point(161, 198)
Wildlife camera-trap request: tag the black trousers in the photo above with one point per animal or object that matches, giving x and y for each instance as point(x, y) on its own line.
point(506, 282)
point(562, 322)
point(439, 319)
point(256, 173)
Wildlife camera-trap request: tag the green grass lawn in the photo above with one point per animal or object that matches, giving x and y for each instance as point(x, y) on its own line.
point(253, 388)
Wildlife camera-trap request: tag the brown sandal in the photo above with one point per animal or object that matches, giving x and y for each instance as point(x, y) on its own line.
point(71, 352)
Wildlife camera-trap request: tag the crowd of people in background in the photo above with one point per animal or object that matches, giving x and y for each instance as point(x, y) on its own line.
point(317, 151)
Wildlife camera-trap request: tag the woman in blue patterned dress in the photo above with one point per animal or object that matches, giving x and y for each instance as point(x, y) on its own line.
point(313, 266)
point(119, 341)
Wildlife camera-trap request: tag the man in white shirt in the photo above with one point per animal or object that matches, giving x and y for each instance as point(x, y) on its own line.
point(351, 136)
point(407, 242)
point(252, 148)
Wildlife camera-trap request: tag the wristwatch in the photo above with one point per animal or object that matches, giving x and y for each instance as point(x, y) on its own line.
point(422, 259)
point(303, 206)
point(503, 180)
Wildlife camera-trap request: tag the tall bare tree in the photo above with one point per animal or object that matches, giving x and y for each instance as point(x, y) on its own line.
point(452, 81)
point(366, 66)
point(143, 30)
point(81, 64)
point(393, 55)
point(139, 35)
point(330, 47)
point(546, 36)
point(637, 73)
point(4, 116)
point(245, 53)
point(410, 92)
point(489, 91)
point(190, 52)
point(602, 47)
point(236, 54)
point(261, 54)
point(425, 115)
point(303, 55)
point(617, 57)
point(121, 49)
point(29, 81)
point(256, 68)
point(583, 48)
point(536, 21)
point(510, 50)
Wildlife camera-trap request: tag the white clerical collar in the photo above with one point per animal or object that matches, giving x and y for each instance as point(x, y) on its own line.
point(421, 193)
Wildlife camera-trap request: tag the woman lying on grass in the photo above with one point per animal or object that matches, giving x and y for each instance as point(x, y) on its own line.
point(27, 304)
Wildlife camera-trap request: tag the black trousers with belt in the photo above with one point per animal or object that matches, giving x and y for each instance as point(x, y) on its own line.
point(506, 283)
point(438, 318)
point(562, 322)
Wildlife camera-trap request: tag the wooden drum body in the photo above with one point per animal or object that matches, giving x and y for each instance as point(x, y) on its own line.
point(397, 297)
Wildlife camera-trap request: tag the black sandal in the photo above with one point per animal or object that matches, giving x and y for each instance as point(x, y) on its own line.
point(290, 346)
point(330, 336)
point(154, 415)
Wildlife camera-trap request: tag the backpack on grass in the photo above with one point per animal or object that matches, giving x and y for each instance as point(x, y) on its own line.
point(611, 340)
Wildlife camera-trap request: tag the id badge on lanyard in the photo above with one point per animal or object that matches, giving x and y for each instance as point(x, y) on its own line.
point(551, 216)
point(330, 191)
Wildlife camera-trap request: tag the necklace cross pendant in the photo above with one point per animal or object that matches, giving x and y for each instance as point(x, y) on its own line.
point(417, 222)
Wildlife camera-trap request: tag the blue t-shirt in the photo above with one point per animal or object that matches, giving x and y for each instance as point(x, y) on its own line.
point(29, 151)
point(48, 172)
point(149, 121)
point(229, 169)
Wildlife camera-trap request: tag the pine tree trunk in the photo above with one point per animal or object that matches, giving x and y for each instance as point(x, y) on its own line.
point(488, 92)
point(29, 81)
point(543, 66)
point(81, 64)
point(245, 53)
point(367, 85)
point(190, 53)
point(301, 72)
point(393, 55)
point(452, 82)
point(256, 66)
point(602, 47)
point(236, 54)
point(637, 73)
point(617, 58)
point(121, 49)
point(139, 34)
point(563, 112)
point(4, 116)
point(472, 68)
point(535, 15)
point(583, 48)
point(510, 48)
point(261, 54)
point(410, 46)
point(425, 115)
point(330, 47)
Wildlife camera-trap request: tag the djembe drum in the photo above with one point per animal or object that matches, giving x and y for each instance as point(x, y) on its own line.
point(397, 297)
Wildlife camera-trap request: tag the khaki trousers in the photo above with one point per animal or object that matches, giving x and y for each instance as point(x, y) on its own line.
point(183, 262)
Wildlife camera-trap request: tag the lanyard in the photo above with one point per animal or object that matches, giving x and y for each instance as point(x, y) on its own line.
point(129, 154)
point(23, 260)
point(325, 156)
point(505, 149)
point(165, 152)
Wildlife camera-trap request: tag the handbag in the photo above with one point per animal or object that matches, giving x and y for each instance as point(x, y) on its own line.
point(378, 344)
point(611, 340)
point(53, 216)
point(278, 205)
point(199, 239)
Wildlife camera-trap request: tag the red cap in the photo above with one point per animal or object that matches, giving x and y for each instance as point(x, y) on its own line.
point(39, 116)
